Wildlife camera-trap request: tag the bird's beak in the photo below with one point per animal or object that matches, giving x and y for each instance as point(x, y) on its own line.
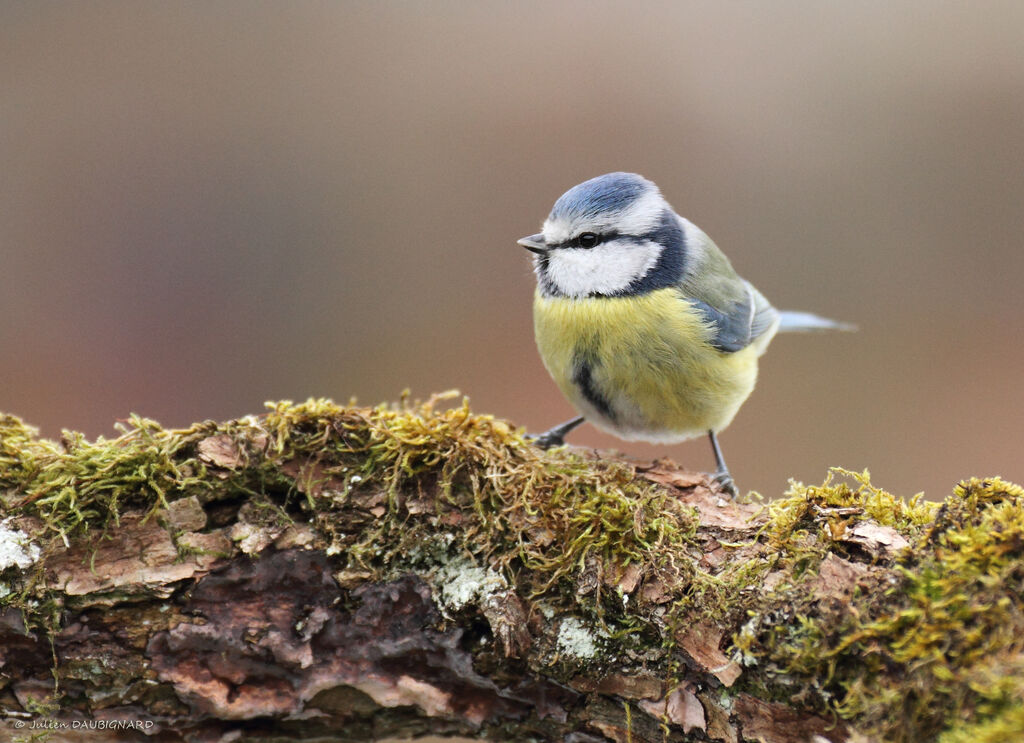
point(534, 243)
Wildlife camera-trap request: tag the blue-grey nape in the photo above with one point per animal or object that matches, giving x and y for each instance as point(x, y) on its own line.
point(608, 193)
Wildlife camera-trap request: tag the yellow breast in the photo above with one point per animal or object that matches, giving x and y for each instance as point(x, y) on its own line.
point(650, 372)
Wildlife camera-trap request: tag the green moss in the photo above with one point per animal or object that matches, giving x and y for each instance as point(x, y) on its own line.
point(89, 483)
point(547, 511)
point(717, 595)
point(802, 505)
point(1000, 727)
point(22, 452)
point(539, 515)
point(909, 656)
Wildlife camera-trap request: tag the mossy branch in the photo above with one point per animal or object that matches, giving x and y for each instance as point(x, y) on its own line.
point(352, 573)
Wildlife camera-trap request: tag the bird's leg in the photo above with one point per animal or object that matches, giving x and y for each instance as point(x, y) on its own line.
point(556, 436)
point(722, 476)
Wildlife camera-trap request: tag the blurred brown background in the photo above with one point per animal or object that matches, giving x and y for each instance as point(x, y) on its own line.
point(208, 205)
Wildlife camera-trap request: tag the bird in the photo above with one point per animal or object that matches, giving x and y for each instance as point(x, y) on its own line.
point(642, 321)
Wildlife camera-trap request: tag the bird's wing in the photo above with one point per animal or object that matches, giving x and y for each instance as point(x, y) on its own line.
point(737, 320)
point(737, 313)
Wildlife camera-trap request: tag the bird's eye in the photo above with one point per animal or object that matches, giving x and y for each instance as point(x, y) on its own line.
point(588, 240)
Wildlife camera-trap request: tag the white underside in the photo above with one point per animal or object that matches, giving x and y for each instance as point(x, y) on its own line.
point(630, 424)
point(651, 437)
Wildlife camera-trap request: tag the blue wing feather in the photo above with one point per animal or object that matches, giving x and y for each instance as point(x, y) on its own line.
point(741, 323)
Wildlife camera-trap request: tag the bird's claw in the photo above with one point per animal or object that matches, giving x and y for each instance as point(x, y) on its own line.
point(725, 482)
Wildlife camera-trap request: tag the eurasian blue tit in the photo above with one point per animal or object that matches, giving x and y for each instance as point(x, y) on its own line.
point(642, 321)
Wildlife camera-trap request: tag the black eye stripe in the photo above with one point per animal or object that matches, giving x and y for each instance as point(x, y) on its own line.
point(576, 242)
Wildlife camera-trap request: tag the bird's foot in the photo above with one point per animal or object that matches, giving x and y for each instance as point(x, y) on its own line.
point(546, 440)
point(556, 436)
point(725, 483)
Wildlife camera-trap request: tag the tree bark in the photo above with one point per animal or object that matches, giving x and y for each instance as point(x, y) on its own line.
point(237, 606)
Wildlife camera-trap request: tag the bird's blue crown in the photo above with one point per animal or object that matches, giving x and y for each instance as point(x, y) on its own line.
point(608, 193)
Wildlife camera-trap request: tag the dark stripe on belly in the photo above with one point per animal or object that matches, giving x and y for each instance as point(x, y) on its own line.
point(582, 377)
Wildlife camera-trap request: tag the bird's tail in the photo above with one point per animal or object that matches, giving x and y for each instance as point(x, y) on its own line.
point(799, 322)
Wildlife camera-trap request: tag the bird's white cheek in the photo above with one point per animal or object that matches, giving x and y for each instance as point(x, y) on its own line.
point(606, 269)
